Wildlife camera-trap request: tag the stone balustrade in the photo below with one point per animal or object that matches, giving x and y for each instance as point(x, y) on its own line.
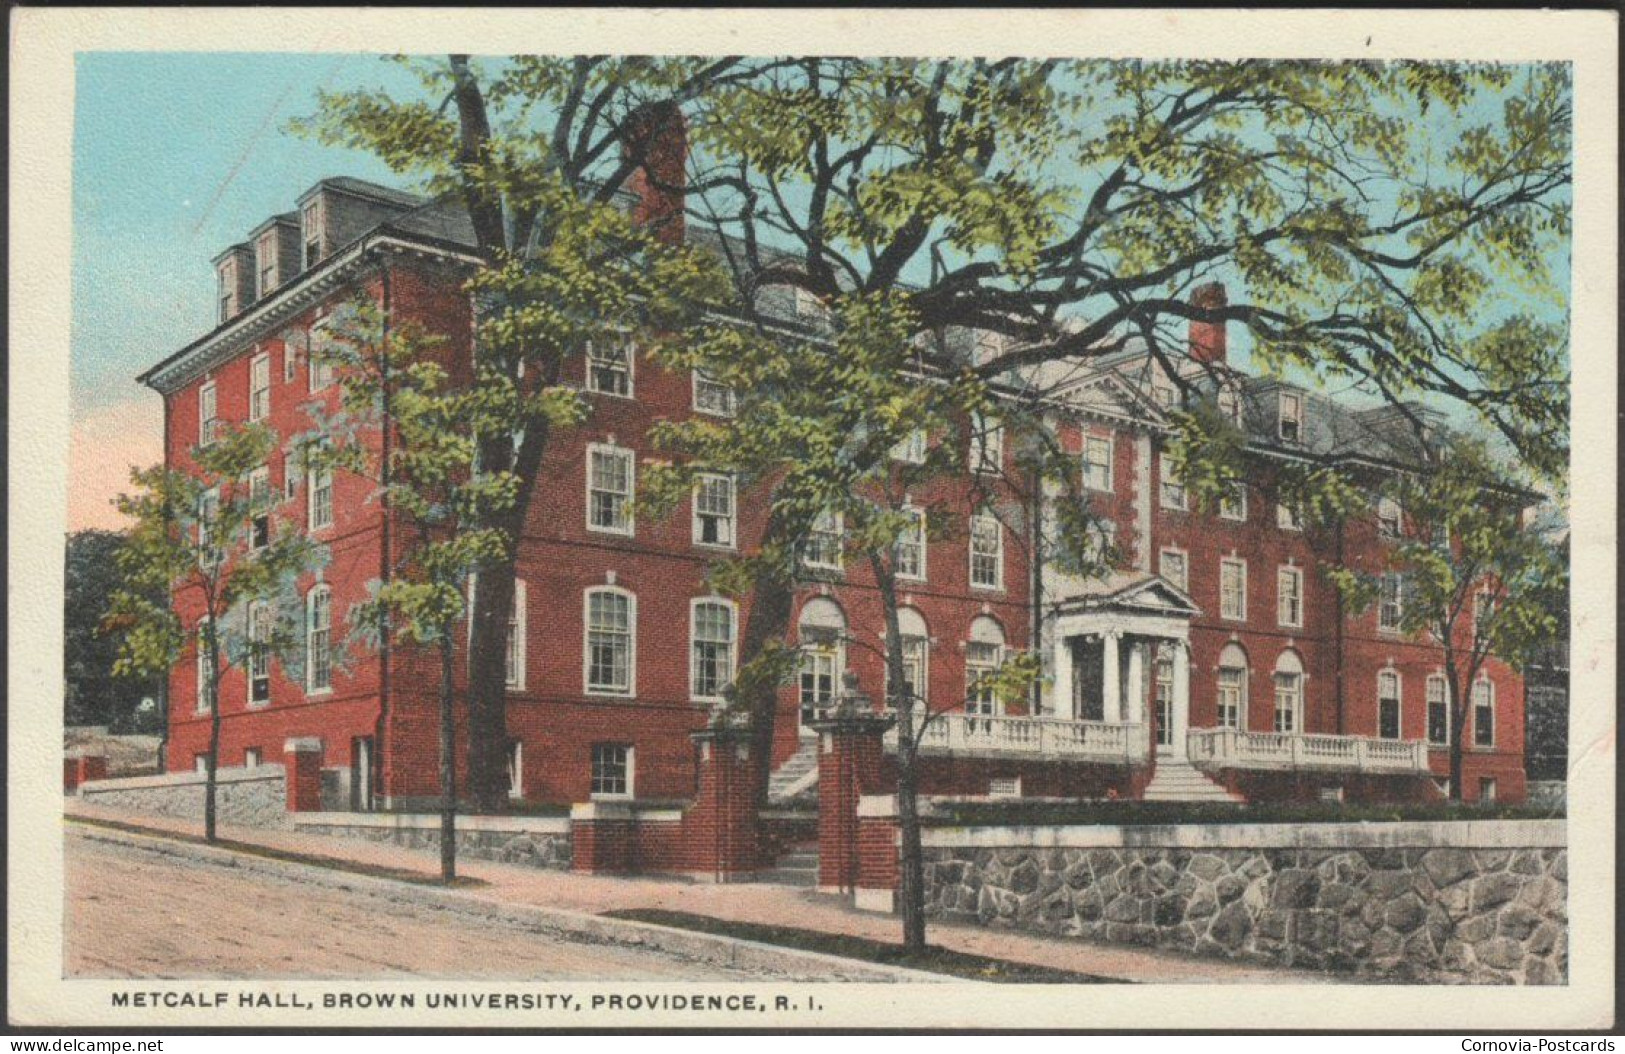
point(1230, 748)
point(976, 735)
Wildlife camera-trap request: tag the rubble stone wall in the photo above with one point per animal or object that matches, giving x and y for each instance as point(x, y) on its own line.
point(536, 843)
point(1449, 913)
point(244, 797)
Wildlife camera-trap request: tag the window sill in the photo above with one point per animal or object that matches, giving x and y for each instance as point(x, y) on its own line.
point(716, 413)
point(612, 532)
point(318, 693)
point(628, 397)
point(717, 547)
point(609, 797)
point(604, 693)
point(911, 578)
point(987, 589)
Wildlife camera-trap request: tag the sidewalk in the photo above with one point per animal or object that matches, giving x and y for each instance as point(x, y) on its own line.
point(767, 903)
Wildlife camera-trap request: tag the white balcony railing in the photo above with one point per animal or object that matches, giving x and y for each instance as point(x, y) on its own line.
point(973, 735)
point(1229, 748)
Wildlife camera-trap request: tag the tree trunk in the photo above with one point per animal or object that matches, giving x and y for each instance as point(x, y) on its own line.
point(212, 763)
point(487, 688)
point(911, 885)
point(1458, 719)
point(448, 762)
point(772, 598)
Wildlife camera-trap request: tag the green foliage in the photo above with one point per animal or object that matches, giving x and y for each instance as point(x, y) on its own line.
point(94, 695)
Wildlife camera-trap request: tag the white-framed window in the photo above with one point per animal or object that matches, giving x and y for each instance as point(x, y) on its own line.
point(259, 507)
point(1233, 503)
point(516, 769)
point(259, 658)
point(265, 253)
point(1483, 614)
point(982, 661)
point(1288, 517)
point(821, 634)
point(825, 541)
point(1288, 693)
point(1388, 704)
point(1232, 688)
point(200, 763)
point(610, 656)
point(1438, 694)
point(1289, 417)
point(1487, 790)
point(611, 770)
point(205, 686)
point(712, 628)
point(987, 443)
point(911, 448)
point(211, 552)
point(715, 515)
point(609, 489)
point(1233, 589)
point(1483, 713)
point(908, 555)
point(514, 649)
point(1173, 565)
point(290, 474)
point(319, 639)
point(288, 361)
point(319, 493)
point(208, 415)
point(259, 387)
point(986, 551)
point(251, 757)
point(226, 296)
point(1097, 463)
point(1389, 518)
point(1162, 695)
point(1173, 487)
point(916, 651)
point(1391, 602)
point(1289, 597)
point(310, 229)
point(319, 368)
point(609, 366)
point(712, 397)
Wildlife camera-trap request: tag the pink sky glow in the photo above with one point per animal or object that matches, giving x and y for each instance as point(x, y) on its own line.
point(106, 443)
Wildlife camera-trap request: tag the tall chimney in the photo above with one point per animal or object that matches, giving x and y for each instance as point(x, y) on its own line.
point(1208, 338)
point(656, 140)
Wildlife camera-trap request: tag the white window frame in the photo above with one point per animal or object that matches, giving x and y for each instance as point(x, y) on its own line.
point(702, 383)
point(628, 369)
point(1384, 676)
point(1288, 518)
point(319, 372)
point(1290, 410)
point(985, 516)
point(318, 481)
point(514, 650)
point(516, 769)
point(257, 665)
point(1091, 444)
point(208, 413)
point(1233, 505)
point(208, 518)
point(266, 246)
point(1488, 689)
point(915, 648)
point(252, 758)
point(816, 652)
point(288, 362)
point(1241, 566)
point(1184, 580)
point(1484, 604)
point(314, 599)
point(1488, 790)
point(1385, 624)
point(1441, 699)
point(290, 474)
point(911, 449)
point(730, 520)
point(1294, 695)
point(260, 503)
point(1219, 689)
point(1171, 488)
point(987, 444)
point(976, 702)
point(205, 690)
point(627, 529)
point(259, 394)
point(312, 230)
point(1283, 596)
point(820, 535)
point(628, 767)
point(587, 687)
point(227, 290)
point(732, 644)
point(1390, 518)
point(920, 539)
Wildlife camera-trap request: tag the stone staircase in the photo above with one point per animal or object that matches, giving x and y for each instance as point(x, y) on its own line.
point(1177, 780)
point(798, 867)
point(797, 778)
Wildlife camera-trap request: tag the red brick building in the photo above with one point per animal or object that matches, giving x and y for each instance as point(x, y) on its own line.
point(1214, 662)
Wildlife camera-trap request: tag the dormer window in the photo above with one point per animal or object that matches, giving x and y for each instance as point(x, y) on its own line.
point(227, 296)
point(310, 231)
point(1389, 518)
point(1291, 417)
point(265, 256)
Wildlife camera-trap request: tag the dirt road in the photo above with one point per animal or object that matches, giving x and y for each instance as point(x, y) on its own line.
point(132, 913)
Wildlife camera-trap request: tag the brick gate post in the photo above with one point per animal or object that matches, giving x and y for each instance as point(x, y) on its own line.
point(720, 830)
point(851, 764)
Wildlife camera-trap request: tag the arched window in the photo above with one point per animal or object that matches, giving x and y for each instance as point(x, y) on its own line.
point(319, 639)
point(1388, 703)
point(1232, 687)
point(609, 659)
point(1438, 710)
point(711, 648)
point(821, 631)
point(1289, 693)
point(1483, 712)
point(916, 654)
point(984, 653)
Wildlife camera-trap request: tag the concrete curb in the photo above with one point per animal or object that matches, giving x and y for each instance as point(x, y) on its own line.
point(705, 947)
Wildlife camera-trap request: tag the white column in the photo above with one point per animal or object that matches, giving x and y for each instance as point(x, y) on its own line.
point(1111, 685)
point(1182, 694)
point(1061, 703)
point(1135, 709)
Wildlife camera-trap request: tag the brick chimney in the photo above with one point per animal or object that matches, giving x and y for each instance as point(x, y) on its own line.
point(656, 140)
point(1208, 338)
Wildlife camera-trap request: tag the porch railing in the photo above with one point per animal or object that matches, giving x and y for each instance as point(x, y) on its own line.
point(1229, 748)
point(976, 735)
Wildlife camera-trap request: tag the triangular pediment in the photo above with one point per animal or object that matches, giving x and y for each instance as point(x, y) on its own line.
point(1153, 593)
point(1109, 395)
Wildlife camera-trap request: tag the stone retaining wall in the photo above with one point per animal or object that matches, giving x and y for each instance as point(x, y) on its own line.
point(255, 797)
point(542, 842)
point(1487, 903)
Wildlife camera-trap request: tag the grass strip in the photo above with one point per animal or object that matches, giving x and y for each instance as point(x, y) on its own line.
point(1154, 813)
point(331, 863)
point(932, 960)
